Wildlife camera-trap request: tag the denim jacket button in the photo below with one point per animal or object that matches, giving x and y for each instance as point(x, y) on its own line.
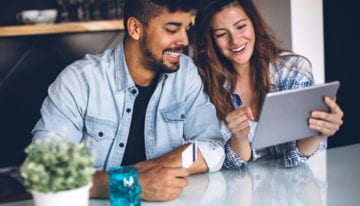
point(182, 116)
point(121, 144)
point(101, 134)
point(128, 110)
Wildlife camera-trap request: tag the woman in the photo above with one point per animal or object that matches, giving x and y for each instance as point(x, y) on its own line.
point(240, 62)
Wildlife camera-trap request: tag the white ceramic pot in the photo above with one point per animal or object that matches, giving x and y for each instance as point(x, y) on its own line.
point(74, 197)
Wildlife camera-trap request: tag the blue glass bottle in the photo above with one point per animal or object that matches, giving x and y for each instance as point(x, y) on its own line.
point(125, 189)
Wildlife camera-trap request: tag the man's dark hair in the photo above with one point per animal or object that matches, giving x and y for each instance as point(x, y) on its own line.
point(144, 10)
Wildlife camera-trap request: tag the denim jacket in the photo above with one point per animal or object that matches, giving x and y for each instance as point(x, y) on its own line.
point(94, 97)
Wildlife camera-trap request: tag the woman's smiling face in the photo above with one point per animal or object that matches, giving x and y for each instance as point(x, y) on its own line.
point(234, 34)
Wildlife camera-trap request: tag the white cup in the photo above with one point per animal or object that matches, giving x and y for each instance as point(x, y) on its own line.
point(49, 14)
point(37, 16)
point(27, 16)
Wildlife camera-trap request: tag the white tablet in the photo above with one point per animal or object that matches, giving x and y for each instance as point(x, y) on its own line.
point(285, 114)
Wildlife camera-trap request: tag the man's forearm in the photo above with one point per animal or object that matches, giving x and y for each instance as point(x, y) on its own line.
point(100, 188)
point(173, 159)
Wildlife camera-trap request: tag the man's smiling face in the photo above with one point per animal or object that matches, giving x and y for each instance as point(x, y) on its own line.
point(164, 39)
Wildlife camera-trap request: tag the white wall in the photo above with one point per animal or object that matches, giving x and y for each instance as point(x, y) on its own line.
point(298, 24)
point(308, 33)
point(277, 13)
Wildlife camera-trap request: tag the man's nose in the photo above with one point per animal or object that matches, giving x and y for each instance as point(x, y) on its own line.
point(183, 38)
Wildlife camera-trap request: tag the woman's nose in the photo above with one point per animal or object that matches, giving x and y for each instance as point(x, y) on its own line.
point(233, 38)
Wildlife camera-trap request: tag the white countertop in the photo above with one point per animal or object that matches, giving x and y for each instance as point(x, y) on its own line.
point(329, 178)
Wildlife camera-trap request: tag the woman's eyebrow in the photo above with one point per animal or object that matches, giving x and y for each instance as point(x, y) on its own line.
point(233, 25)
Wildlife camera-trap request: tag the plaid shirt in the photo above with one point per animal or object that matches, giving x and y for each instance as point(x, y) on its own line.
point(287, 73)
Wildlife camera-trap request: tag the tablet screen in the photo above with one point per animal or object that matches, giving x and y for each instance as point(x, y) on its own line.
point(285, 114)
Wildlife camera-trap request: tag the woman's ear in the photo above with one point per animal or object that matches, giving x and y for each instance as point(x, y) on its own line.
point(134, 28)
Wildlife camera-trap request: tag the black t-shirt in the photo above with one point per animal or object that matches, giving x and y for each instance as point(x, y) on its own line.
point(135, 147)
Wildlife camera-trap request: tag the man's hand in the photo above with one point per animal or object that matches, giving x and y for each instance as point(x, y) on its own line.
point(161, 183)
point(161, 178)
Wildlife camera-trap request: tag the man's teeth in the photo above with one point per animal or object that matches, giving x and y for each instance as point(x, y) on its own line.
point(238, 49)
point(173, 54)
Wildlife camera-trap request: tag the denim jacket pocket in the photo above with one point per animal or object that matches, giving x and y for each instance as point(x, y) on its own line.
point(174, 117)
point(175, 112)
point(99, 129)
point(102, 133)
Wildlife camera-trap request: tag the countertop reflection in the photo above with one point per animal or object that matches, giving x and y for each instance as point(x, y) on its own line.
point(266, 182)
point(328, 178)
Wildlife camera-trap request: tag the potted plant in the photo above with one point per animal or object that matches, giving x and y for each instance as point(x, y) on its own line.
point(58, 172)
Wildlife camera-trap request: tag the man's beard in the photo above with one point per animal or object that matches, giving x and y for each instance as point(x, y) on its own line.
point(149, 61)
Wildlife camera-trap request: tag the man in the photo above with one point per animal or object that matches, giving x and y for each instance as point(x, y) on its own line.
point(140, 103)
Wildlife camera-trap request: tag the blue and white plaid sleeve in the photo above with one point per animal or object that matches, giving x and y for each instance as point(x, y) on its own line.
point(232, 159)
point(291, 154)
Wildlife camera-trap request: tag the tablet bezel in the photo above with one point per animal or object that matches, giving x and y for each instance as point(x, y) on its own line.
point(284, 115)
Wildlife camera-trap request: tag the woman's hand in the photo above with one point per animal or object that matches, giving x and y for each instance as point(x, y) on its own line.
point(237, 122)
point(327, 123)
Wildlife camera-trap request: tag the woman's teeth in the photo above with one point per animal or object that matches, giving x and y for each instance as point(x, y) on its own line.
point(238, 49)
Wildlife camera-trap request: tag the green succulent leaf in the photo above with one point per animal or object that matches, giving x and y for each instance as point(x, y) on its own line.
point(55, 164)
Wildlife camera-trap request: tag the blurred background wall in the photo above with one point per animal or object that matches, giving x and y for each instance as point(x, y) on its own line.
point(28, 64)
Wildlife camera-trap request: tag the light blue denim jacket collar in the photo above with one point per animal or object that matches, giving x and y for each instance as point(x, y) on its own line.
point(122, 76)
